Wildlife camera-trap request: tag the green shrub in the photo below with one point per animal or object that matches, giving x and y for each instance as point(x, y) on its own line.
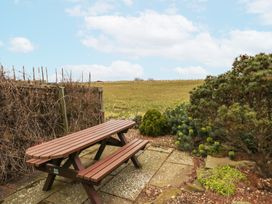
point(154, 124)
point(238, 106)
point(175, 117)
point(222, 179)
point(208, 148)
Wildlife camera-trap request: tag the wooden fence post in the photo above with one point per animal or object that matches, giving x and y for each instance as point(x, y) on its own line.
point(102, 115)
point(42, 75)
point(14, 75)
point(56, 76)
point(24, 73)
point(2, 71)
point(90, 78)
point(63, 109)
point(33, 74)
point(46, 74)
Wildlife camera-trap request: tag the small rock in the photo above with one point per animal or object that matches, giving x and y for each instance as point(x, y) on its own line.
point(194, 187)
point(166, 195)
point(148, 192)
point(213, 162)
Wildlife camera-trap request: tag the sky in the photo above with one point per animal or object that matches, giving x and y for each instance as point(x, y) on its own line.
point(127, 39)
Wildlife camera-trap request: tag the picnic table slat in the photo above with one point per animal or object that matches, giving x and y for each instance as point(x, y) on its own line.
point(65, 147)
point(65, 150)
point(120, 160)
point(97, 172)
point(98, 163)
point(68, 138)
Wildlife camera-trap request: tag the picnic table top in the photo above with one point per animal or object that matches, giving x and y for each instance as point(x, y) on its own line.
point(64, 146)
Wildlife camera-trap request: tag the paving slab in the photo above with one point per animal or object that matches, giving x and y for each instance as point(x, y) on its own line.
point(33, 194)
point(179, 157)
point(73, 193)
point(161, 149)
point(110, 199)
point(130, 181)
point(171, 174)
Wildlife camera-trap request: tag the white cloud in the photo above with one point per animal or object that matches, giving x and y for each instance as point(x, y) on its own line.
point(263, 8)
point(97, 8)
point(170, 36)
point(1, 43)
point(117, 70)
point(196, 72)
point(21, 44)
point(128, 2)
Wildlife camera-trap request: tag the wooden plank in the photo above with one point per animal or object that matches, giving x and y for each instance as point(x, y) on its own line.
point(97, 164)
point(65, 150)
point(120, 160)
point(57, 143)
point(37, 162)
point(117, 126)
point(102, 168)
point(70, 136)
point(106, 162)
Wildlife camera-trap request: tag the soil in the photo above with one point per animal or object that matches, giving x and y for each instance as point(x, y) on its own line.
point(162, 141)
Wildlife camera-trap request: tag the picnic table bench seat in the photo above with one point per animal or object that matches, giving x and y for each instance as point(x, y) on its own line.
point(55, 157)
point(102, 168)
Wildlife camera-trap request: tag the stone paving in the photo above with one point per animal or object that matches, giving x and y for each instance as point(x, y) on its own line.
point(162, 167)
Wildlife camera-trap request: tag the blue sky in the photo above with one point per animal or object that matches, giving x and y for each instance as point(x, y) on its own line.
point(124, 39)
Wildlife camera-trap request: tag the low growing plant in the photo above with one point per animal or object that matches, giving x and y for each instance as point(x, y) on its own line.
point(221, 180)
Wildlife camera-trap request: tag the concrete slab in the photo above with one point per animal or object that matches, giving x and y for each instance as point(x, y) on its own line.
point(110, 199)
point(179, 157)
point(161, 149)
point(33, 194)
point(73, 193)
point(130, 181)
point(171, 174)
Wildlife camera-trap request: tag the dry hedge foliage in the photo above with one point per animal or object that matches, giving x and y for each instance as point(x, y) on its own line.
point(31, 113)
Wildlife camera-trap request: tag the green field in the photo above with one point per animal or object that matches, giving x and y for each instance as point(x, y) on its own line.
point(125, 99)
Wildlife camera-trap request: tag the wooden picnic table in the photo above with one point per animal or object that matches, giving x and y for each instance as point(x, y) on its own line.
point(55, 157)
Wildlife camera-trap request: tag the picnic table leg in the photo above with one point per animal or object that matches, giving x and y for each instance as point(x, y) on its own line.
point(51, 177)
point(124, 141)
point(91, 192)
point(100, 150)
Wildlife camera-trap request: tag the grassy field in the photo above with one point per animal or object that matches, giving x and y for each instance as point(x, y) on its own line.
point(126, 99)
